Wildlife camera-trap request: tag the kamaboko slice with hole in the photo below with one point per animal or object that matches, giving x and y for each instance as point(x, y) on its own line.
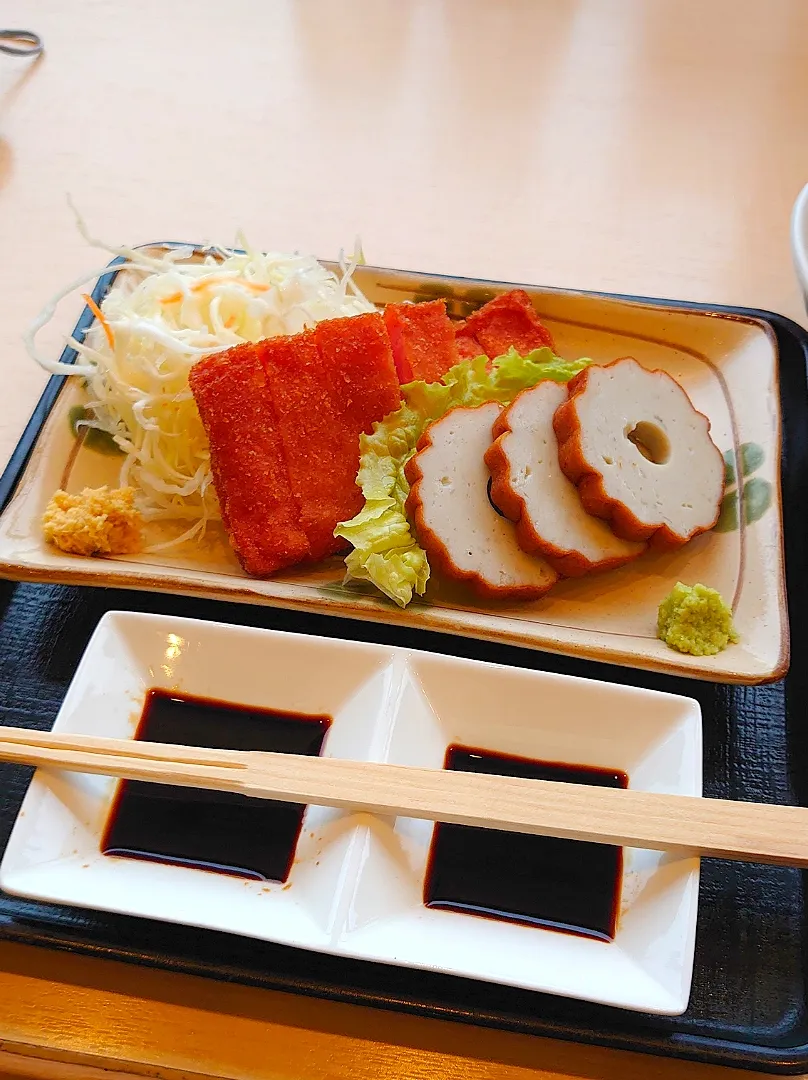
point(465, 538)
point(640, 454)
point(528, 486)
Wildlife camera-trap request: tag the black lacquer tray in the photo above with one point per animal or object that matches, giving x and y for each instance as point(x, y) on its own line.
point(749, 1004)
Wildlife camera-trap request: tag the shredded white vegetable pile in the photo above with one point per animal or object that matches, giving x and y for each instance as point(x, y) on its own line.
point(160, 319)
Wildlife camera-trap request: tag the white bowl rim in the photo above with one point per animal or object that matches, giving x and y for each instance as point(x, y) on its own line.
point(799, 239)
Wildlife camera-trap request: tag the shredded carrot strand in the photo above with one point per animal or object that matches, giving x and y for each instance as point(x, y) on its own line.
point(230, 322)
point(218, 279)
point(96, 310)
point(173, 299)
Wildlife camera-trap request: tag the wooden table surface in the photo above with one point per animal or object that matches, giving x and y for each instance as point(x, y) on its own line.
point(640, 146)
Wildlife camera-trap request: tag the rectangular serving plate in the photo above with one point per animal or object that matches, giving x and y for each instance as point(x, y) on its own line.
point(728, 363)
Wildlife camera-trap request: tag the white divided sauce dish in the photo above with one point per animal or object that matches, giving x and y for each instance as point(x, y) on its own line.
point(356, 884)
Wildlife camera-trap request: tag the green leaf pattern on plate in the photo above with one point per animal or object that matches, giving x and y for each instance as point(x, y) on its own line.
point(755, 495)
point(751, 458)
point(94, 439)
point(729, 468)
point(728, 518)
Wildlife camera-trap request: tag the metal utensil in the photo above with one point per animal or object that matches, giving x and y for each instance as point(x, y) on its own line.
point(20, 43)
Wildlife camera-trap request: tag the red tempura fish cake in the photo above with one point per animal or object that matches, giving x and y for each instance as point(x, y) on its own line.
point(358, 362)
point(259, 510)
point(509, 321)
point(321, 451)
point(423, 340)
point(283, 419)
point(468, 347)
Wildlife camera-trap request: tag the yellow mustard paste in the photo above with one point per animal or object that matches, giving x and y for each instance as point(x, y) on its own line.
point(99, 521)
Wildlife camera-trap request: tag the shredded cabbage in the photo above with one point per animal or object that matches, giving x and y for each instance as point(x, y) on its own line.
point(385, 552)
point(160, 319)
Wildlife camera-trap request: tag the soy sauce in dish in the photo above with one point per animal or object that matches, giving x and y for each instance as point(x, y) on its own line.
point(212, 830)
point(567, 885)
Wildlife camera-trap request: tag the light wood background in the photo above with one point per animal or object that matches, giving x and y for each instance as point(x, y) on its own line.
point(641, 146)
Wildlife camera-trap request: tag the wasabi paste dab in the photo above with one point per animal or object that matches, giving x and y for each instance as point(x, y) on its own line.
point(694, 619)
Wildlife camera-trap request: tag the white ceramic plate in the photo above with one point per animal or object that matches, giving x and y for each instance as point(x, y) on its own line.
point(727, 364)
point(356, 883)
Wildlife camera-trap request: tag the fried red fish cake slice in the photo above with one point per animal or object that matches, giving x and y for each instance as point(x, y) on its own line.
point(468, 347)
point(259, 509)
point(321, 452)
point(423, 340)
point(509, 320)
point(358, 366)
point(283, 420)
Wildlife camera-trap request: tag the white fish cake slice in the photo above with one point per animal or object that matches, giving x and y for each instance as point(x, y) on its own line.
point(640, 453)
point(461, 532)
point(528, 486)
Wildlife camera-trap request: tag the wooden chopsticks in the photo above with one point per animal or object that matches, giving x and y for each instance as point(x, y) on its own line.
point(756, 832)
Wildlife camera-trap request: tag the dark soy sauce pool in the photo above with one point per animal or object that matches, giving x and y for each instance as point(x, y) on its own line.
point(566, 885)
point(212, 830)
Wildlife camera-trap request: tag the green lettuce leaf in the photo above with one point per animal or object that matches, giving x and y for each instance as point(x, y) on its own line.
point(385, 552)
